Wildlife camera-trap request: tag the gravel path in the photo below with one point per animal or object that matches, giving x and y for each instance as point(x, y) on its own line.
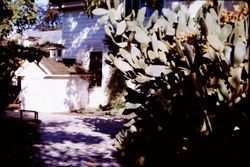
point(77, 141)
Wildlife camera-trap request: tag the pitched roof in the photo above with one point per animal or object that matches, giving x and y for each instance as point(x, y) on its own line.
point(65, 67)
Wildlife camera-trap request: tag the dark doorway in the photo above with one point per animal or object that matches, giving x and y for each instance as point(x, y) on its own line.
point(95, 68)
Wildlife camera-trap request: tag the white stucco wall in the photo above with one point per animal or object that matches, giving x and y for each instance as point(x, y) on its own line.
point(54, 94)
point(44, 92)
point(30, 70)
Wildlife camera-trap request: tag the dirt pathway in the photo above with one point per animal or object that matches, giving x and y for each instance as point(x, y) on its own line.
point(77, 141)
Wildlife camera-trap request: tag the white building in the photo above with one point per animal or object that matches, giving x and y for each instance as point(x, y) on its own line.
point(51, 86)
point(56, 84)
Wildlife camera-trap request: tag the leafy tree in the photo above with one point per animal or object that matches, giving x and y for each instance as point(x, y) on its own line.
point(15, 15)
point(48, 18)
point(11, 57)
point(192, 84)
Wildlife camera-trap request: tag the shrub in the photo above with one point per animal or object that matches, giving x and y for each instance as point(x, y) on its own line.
point(192, 79)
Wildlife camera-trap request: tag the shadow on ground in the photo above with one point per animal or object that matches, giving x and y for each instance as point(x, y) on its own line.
point(76, 142)
point(107, 126)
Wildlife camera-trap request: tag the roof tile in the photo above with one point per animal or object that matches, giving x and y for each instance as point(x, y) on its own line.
point(58, 67)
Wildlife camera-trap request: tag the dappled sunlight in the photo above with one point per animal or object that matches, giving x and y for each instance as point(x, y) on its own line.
point(106, 126)
point(84, 35)
point(80, 32)
point(76, 140)
point(76, 99)
point(72, 23)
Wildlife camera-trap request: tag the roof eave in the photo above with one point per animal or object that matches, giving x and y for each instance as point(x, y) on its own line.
point(43, 68)
point(72, 5)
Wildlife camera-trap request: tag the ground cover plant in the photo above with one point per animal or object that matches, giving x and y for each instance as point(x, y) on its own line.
point(191, 76)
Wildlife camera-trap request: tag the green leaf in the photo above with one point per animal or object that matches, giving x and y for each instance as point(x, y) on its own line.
point(141, 36)
point(121, 26)
point(227, 53)
point(215, 42)
point(128, 124)
point(154, 43)
point(100, 11)
point(157, 70)
point(225, 32)
point(152, 55)
point(170, 15)
point(235, 77)
point(211, 24)
point(142, 78)
point(108, 30)
point(141, 15)
point(239, 53)
point(153, 19)
point(122, 65)
point(162, 46)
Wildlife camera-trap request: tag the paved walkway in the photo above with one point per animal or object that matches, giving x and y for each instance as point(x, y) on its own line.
point(77, 141)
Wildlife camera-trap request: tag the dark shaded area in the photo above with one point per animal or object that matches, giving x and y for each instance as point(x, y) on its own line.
point(16, 142)
point(166, 138)
point(106, 126)
point(95, 69)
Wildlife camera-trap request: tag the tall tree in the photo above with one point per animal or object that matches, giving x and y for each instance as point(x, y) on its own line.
point(48, 18)
point(15, 15)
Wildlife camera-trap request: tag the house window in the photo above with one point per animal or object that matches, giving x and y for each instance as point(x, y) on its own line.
point(137, 4)
point(133, 5)
point(95, 68)
point(59, 53)
point(52, 53)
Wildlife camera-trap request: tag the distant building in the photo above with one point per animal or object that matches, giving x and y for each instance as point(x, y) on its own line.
point(51, 86)
point(82, 38)
point(74, 76)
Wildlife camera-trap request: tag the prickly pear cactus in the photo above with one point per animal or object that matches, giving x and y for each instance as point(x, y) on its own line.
point(189, 74)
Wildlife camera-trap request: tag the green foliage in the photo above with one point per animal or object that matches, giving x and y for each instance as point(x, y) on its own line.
point(90, 5)
point(16, 15)
point(11, 57)
point(48, 18)
point(116, 90)
point(192, 79)
point(5, 12)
